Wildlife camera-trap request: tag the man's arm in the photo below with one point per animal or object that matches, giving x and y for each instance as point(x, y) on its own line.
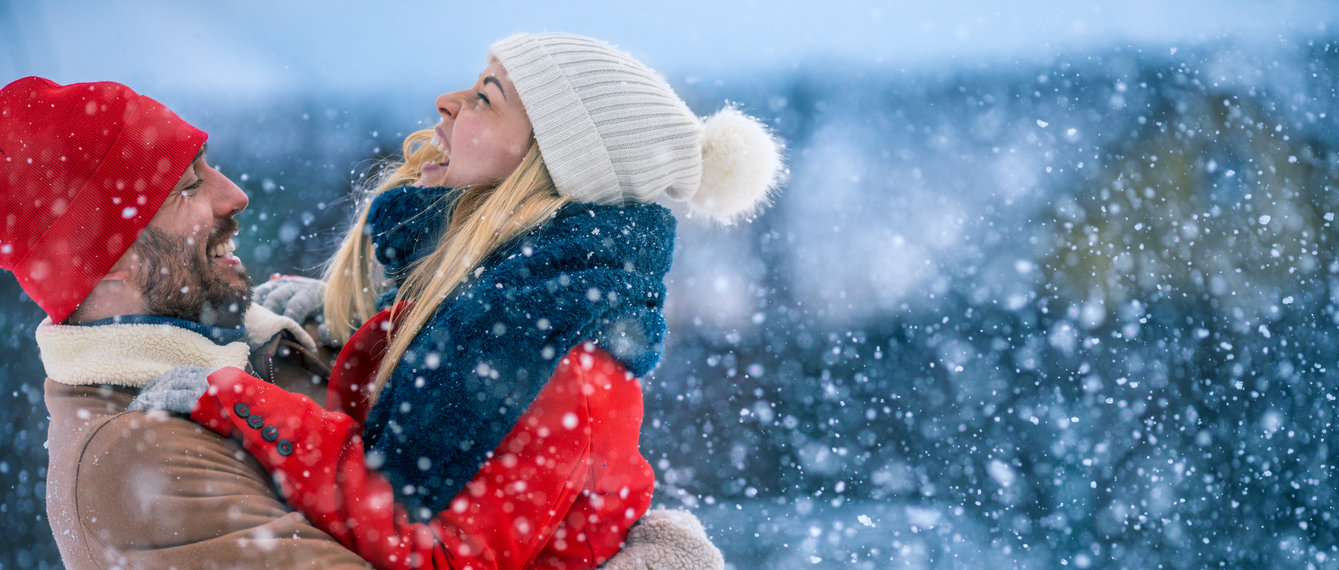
point(157, 491)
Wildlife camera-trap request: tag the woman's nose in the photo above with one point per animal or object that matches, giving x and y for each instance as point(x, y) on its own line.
point(448, 104)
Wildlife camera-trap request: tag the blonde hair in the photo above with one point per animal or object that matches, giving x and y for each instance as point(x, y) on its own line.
point(484, 218)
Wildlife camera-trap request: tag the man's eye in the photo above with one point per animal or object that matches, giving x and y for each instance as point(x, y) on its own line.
point(193, 187)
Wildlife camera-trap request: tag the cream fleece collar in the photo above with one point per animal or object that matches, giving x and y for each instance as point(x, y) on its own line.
point(133, 354)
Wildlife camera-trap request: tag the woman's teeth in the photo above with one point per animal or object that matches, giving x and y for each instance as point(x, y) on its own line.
point(224, 249)
point(438, 143)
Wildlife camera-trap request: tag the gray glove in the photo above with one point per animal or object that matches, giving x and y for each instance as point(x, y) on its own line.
point(298, 298)
point(176, 390)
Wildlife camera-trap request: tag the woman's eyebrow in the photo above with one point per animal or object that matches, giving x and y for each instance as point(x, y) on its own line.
point(494, 81)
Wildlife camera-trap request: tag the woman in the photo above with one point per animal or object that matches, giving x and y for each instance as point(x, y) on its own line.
point(493, 411)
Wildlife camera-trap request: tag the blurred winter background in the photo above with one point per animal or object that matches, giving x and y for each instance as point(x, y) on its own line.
point(1053, 284)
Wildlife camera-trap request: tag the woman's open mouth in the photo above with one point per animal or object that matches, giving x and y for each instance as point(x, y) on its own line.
point(432, 172)
point(439, 142)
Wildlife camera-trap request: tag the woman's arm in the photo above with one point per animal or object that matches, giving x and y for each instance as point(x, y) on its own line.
point(317, 458)
point(529, 489)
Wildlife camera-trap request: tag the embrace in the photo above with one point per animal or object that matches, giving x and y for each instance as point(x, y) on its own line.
point(459, 390)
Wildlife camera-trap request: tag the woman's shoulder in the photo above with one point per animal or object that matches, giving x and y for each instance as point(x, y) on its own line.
point(581, 214)
point(601, 227)
point(593, 235)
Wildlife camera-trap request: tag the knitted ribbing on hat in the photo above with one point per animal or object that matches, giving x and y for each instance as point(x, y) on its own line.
point(610, 130)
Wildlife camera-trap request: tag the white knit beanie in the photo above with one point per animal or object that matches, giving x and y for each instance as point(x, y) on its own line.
point(611, 131)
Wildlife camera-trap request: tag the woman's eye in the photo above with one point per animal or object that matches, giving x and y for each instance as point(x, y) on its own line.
point(483, 98)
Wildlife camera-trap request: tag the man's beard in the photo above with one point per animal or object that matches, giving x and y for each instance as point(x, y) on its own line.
point(178, 282)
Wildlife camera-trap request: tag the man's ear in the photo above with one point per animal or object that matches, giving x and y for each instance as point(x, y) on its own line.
point(124, 268)
point(117, 275)
point(117, 293)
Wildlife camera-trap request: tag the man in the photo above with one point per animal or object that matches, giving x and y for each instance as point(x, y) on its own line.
point(116, 225)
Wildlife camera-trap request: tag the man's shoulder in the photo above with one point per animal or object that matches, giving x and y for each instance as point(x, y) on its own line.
point(153, 458)
point(162, 490)
point(93, 418)
point(167, 456)
point(113, 464)
point(155, 434)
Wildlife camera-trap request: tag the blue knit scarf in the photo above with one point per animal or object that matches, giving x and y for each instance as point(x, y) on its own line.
point(593, 273)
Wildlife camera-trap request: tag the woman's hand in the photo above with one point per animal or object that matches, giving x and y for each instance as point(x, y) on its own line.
point(176, 390)
point(298, 298)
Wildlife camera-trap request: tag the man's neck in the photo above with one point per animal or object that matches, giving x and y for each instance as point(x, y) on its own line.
point(111, 298)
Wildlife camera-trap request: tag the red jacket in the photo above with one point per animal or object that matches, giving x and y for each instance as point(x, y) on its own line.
point(560, 490)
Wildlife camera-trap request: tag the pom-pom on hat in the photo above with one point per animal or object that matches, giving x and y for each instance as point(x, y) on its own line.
point(83, 169)
point(611, 131)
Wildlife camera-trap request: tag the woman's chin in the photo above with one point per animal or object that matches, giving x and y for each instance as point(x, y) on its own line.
point(432, 174)
point(430, 181)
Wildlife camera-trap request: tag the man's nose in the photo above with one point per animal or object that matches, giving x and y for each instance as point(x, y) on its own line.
point(230, 200)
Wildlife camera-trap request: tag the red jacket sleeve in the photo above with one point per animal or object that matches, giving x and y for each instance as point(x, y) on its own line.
point(556, 492)
point(317, 458)
point(619, 481)
point(350, 387)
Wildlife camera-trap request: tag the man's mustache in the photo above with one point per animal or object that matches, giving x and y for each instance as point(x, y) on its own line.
point(223, 232)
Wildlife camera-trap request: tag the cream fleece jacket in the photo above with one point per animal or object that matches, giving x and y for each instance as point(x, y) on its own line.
point(133, 354)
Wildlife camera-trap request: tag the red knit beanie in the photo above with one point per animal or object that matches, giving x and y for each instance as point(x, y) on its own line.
point(83, 168)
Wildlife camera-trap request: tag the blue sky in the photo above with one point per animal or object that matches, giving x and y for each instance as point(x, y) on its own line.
point(250, 48)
